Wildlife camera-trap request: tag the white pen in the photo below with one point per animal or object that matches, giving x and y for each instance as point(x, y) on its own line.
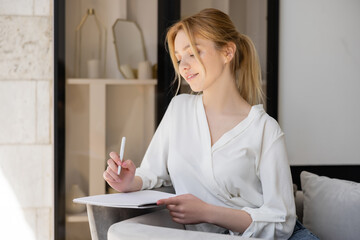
point(122, 148)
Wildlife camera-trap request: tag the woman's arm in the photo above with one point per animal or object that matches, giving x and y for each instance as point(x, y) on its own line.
point(188, 209)
point(235, 220)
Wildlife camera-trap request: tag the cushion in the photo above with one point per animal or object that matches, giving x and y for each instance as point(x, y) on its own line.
point(331, 207)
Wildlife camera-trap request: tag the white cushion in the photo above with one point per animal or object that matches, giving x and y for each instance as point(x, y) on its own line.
point(331, 207)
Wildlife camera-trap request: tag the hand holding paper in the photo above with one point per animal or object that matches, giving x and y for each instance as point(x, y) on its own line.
point(186, 209)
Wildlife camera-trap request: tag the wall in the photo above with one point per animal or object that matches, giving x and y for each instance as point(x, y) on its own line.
point(319, 81)
point(249, 17)
point(190, 7)
point(26, 142)
point(144, 13)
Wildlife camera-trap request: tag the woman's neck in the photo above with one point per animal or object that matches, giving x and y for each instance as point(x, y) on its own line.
point(223, 98)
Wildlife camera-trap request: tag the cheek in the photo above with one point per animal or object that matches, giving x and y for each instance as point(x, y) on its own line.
point(214, 66)
point(212, 59)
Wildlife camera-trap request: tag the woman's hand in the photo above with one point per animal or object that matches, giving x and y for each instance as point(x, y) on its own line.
point(186, 209)
point(125, 182)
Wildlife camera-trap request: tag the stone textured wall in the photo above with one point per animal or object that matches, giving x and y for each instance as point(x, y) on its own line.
point(26, 110)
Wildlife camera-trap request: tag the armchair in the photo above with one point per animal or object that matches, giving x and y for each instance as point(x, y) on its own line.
point(320, 198)
point(158, 225)
point(154, 223)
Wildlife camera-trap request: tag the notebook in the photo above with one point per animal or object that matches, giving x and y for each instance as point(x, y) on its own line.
point(139, 199)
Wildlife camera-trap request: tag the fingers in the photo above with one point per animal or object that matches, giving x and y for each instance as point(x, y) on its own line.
point(112, 165)
point(114, 156)
point(179, 220)
point(110, 174)
point(111, 170)
point(177, 215)
point(162, 202)
point(176, 209)
point(129, 165)
point(114, 162)
point(108, 177)
point(113, 174)
point(168, 201)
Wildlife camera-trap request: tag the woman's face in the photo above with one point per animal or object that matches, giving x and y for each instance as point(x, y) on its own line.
point(191, 70)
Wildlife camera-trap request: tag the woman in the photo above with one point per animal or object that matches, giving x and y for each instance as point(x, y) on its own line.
point(223, 154)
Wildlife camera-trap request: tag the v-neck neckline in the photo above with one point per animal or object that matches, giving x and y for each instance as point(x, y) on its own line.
point(228, 135)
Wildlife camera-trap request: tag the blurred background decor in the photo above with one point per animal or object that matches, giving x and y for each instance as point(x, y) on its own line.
point(129, 48)
point(90, 50)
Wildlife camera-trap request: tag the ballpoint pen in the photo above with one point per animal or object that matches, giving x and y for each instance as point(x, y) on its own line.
point(122, 148)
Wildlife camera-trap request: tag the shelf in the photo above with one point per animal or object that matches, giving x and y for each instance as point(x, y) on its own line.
point(80, 217)
point(97, 97)
point(110, 81)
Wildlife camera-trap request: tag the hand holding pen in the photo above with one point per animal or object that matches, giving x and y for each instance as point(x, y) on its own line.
point(120, 174)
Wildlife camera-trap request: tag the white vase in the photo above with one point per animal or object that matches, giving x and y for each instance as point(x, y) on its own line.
point(144, 70)
point(75, 192)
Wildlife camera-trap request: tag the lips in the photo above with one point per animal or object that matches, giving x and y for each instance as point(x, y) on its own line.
point(190, 76)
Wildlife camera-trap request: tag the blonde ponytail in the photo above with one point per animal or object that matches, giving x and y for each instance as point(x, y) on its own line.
point(248, 77)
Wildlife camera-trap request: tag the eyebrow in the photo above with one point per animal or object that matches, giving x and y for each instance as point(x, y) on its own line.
point(186, 47)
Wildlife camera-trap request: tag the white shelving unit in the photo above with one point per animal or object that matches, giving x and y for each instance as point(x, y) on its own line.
point(91, 130)
point(97, 126)
point(109, 81)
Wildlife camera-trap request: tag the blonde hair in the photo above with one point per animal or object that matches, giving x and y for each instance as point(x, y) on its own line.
point(216, 26)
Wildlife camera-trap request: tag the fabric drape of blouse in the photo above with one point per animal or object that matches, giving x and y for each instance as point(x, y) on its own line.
point(247, 168)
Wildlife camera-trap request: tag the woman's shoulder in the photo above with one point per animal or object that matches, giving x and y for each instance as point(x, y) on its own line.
point(185, 97)
point(268, 123)
point(184, 100)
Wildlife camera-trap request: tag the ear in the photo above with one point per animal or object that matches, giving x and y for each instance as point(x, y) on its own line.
point(229, 52)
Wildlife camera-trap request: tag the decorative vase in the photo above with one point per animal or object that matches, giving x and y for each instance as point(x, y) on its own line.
point(75, 192)
point(90, 45)
point(144, 70)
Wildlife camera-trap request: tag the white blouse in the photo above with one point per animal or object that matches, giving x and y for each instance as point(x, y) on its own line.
point(247, 168)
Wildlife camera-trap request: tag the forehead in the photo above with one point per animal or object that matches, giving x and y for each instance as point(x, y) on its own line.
point(182, 41)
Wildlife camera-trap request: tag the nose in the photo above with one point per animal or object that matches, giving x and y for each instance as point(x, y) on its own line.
point(184, 65)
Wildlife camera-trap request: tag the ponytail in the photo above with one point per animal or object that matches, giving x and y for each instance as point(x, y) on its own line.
point(248, 76)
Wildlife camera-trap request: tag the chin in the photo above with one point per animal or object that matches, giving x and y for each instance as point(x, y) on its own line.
point(196, 89)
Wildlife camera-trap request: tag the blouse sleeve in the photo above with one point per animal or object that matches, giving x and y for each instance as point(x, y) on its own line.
point(275, 219)
point(153, 169)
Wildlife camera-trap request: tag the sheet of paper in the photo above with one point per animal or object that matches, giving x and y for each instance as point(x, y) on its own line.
point(140, 199)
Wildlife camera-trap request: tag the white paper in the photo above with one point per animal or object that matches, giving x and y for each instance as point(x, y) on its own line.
point(139, 199)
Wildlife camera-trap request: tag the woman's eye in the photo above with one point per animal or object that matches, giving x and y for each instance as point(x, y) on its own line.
point(178, 62)
point(192, 55)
